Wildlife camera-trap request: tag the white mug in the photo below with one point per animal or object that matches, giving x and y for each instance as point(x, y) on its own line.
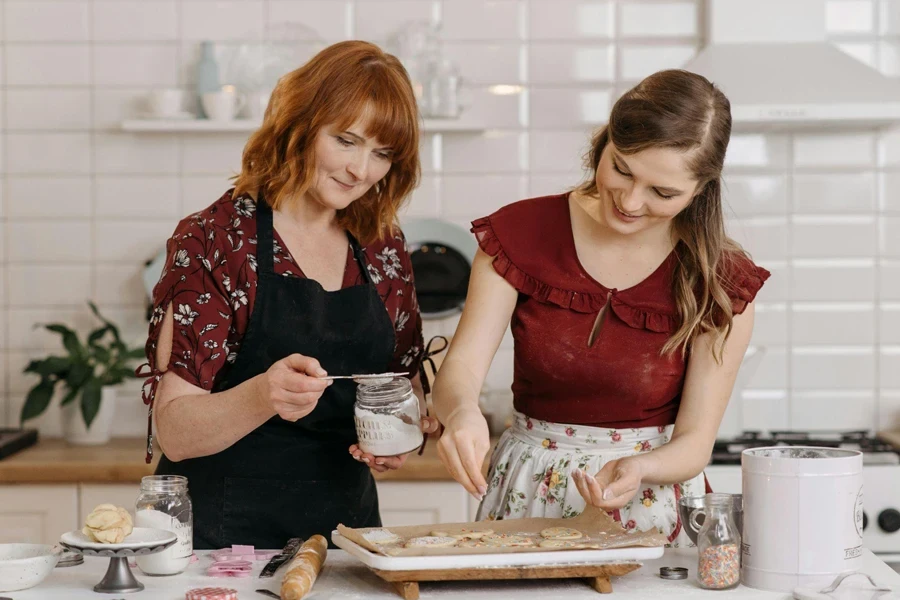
point(256, 104)
point(222, 105)
point(165, 102)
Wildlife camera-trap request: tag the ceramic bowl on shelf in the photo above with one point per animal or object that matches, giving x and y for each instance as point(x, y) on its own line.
point(25, 565)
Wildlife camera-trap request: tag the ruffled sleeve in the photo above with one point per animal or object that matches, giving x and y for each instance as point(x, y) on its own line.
point(742, 279)
point(530, 242)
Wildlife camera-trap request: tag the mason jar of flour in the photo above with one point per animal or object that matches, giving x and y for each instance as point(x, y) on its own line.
point(164, 504)
point(387, 418)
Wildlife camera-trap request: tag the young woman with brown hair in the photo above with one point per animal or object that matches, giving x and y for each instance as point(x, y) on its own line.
point(631, 310)
point(298, 271)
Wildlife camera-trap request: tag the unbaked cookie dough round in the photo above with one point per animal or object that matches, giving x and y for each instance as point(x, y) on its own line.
point(500, 540)
point(463, 534)
point(561, 533)
point(556, 544)
point(432, 541)
point(382, 537)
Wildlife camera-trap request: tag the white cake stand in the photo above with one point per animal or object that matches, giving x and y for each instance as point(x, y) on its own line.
point(119, 579)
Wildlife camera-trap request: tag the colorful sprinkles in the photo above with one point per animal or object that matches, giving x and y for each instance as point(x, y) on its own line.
point(719, 567)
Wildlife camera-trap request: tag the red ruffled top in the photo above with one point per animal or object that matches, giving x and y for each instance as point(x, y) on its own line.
point(619, 381)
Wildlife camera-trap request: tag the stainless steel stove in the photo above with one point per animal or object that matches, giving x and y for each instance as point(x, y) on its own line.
point(881, 477)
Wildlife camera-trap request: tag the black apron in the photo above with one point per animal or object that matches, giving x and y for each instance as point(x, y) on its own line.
point(298, 479)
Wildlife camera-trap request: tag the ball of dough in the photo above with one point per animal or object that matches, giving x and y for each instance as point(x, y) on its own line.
point(108, 524)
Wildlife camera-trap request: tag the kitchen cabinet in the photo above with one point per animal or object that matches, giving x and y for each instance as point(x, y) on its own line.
point(38, 513)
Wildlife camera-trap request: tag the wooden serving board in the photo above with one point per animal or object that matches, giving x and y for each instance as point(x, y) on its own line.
point(596, 566)
point(407, 582)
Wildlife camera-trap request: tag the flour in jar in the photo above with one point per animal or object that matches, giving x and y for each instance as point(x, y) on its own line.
point(382, 434)
point(173, 559)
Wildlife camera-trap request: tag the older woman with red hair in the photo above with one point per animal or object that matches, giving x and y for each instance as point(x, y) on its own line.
point(296, 272)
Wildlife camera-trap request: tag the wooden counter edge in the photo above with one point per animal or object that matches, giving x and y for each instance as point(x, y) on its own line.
point(52, 461)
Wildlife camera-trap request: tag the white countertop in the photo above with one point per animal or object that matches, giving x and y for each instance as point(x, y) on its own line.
point(345, 578)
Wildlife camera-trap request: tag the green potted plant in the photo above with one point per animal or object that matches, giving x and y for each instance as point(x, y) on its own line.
point(88, 372)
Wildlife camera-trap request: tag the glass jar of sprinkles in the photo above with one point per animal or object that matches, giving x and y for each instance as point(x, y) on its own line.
point(718, 544)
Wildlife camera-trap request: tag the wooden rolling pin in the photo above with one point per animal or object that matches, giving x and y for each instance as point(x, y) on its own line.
point(304, 568)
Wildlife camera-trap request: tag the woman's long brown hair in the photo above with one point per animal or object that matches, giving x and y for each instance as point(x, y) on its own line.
point(684, 111)
point(339, 85)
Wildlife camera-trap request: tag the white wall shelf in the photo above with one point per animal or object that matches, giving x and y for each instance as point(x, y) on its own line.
point(237, 125)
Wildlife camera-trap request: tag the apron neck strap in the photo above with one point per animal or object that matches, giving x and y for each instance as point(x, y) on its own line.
point(264, 235)
point(265, 239)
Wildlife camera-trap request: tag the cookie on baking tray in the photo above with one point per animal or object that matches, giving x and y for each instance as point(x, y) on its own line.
point(463, 534)
point(561, 533)
point(432, 541)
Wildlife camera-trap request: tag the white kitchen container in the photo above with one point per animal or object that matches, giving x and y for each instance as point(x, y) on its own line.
point(802, 516)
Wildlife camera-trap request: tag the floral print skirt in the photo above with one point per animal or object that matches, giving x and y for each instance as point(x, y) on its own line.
point(531, 467)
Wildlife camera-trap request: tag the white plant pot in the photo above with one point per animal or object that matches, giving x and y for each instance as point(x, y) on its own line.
point(74, 429)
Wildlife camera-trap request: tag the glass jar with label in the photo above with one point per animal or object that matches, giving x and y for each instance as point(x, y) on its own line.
point(387, 418)
point(164, 503)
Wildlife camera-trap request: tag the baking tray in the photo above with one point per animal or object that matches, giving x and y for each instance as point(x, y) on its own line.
point(481, 561)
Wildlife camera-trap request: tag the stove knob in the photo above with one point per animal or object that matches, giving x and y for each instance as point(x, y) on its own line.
point(889, 520)
point(865, 520)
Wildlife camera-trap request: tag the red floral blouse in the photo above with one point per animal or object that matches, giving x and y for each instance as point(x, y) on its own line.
point(210, 278)
point(619, 381)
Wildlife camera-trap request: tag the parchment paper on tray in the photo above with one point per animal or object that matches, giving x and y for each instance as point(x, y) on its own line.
point(597, 526)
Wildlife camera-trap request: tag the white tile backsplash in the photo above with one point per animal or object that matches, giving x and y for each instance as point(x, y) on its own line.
point(756, 150)
point(755, 195)
point(833, 280)
point(486, 63)
point(834, 193)
point(127, 153)
point(833, 236)
point(636, 62)
point(833, 324)
point(139, 64)
point(30, 21)
point(223, 20)
point(125, 241)
point(48, 153)
point(659, 19)
point(561, 64)
point(329, 19)
point(42, 109)
point(47, 64)
point(137, 197)
point(835, 150)
point(569, 109)
point(838, 368)
point(493, 19)
point(84, 204)
point(50, 197)
point(54, 242)
point(48, 285)
point(571, 19)
point(134, 20)
point(377, 20)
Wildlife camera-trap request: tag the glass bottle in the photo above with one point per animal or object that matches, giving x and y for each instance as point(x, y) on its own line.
point(164, 503)
point(207, 75)
point(718, 544)
point(387, 418)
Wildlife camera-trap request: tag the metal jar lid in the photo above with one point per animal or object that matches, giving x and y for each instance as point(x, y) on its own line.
point(70, 559)
point(673, 572)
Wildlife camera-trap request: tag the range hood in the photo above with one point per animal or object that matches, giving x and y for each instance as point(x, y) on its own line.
point(780, 72)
